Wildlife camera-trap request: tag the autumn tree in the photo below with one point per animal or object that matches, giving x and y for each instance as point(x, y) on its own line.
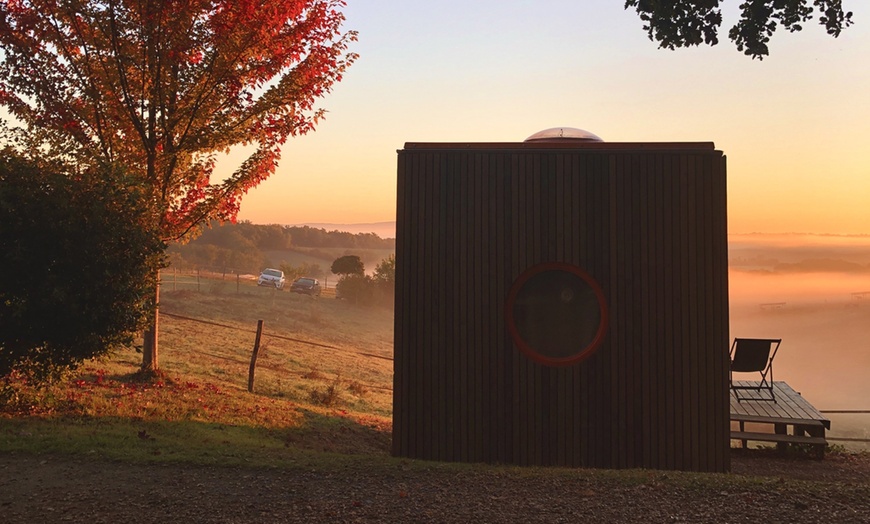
point(684, 23)
point(163, 87)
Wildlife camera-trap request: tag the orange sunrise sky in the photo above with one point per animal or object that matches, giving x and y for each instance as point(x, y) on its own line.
point(795, 127)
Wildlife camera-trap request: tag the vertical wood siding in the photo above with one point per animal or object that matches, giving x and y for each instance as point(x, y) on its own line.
point(648, 225)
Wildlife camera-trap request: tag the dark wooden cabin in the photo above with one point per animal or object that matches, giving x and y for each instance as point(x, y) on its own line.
point(562, 303)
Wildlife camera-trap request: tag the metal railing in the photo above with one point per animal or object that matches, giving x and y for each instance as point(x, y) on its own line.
point(846, 412)
point(174, 278)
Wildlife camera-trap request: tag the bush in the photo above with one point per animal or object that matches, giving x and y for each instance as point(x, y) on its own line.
point(329, 396)
point(79, 258)
point(357, 289)
point(358, 389)
point(377, 289)
point(31, 388)
point(385, 280)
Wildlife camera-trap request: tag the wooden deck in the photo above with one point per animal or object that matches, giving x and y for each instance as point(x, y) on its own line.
point(790, 410)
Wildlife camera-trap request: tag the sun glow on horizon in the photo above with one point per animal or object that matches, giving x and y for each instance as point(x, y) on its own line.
point(793, 127)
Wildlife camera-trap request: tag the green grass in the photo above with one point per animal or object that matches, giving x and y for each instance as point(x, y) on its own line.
point(308, 399)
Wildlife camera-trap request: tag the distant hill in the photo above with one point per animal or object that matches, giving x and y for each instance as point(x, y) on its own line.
point(382, 229)
point(247, 248)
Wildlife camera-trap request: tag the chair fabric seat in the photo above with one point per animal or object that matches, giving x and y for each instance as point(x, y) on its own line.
point(754, 355)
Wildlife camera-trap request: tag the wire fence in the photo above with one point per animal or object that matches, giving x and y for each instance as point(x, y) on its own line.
point(344, 351)
point(846, 412)
point(272, 335)
point(175, 279)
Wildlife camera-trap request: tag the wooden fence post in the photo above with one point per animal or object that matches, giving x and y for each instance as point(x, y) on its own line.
point(254, 356)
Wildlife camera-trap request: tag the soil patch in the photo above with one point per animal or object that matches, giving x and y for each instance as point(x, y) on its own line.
point(762, 487)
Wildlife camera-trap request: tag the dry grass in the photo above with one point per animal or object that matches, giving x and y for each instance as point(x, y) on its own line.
point(306, 397)
point(343, 335)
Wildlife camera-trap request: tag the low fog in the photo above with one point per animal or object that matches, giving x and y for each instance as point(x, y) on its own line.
point(813, 292)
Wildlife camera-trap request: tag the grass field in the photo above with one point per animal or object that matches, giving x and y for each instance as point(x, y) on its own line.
point(322, 383)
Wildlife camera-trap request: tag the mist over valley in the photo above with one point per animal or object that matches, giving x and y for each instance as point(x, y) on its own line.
point(813, 292)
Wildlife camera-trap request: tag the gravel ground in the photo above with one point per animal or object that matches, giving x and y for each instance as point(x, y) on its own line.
point(761, 488)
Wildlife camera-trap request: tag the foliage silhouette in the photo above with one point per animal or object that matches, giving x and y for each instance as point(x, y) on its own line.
point(348, 265)
point(685, 23)
point(78, 256)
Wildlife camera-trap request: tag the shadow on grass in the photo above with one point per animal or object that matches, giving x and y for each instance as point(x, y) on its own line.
point(339, 432)
point(318, 437)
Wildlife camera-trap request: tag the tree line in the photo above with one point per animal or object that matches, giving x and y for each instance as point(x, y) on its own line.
point(306, 236)
point(247, 248)
point(277, 237)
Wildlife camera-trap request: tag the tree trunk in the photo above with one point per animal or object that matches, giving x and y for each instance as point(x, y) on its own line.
point(149, 344)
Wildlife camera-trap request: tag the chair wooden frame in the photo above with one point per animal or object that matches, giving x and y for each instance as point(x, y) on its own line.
point(750, 355)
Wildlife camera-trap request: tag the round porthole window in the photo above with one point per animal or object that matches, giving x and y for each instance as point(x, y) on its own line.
point(556, 314)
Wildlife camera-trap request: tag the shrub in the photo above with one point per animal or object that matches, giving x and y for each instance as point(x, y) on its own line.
point(377, 289)
point(314, 374)
point(357, 289)
point(329, 396)
point(79, 258)
point(357, 388)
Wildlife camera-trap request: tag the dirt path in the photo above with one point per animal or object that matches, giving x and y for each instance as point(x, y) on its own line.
point(63, 489)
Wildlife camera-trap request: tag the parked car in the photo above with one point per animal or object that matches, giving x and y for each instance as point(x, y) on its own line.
point(306, 286)
point(272, 278)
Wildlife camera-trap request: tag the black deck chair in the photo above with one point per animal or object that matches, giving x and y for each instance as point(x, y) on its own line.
point(750, 355)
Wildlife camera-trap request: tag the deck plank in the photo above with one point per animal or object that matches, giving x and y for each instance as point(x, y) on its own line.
point(788, 421)
point(790, 409)
point(773, 437)
point(790, 406)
